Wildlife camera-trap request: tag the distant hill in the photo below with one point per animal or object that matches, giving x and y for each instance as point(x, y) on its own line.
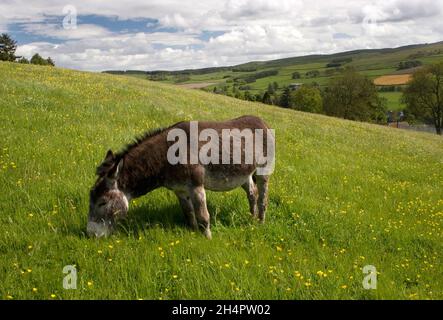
point(318, 69)
point(401, 53)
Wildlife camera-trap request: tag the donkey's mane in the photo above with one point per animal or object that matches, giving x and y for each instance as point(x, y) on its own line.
point(108, 164)
point(138, 141)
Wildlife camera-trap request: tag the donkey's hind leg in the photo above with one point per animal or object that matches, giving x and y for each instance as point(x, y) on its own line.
point(252, 194)
point(198, 197)
point(262, 185)
point(188, 209)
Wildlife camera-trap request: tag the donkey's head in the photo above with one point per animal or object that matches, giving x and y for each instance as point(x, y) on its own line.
point(107, 203)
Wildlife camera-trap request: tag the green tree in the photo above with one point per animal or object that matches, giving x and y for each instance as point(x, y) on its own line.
point(7, 48)
point(424, 96)
point(313, 74)
point(37, 59)
point(284, 98)
point(23, 60)
point(179, 78)
point(160, 76)
point(275, 85)
point(306, 99)
point(237, 93)
point(409, 64)
point(259, 96)
point(354, 97)
point(271, 89)
point(267, 98)
point(250, 97)
point(50, 61)
point(296, 75)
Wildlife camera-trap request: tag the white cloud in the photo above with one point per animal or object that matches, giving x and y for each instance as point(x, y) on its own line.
point(257, 40)
point(260, 8)
point(246, 30)
point(175, 20)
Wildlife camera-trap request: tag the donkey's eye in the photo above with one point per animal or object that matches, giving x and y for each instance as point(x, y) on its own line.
point(101, 204)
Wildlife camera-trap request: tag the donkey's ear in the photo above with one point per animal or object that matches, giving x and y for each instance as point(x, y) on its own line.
point(106, 164)
point(109, 155)
point(116, 170)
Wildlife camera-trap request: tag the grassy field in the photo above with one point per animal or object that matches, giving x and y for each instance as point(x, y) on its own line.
point(393, 100)
point(343, 195)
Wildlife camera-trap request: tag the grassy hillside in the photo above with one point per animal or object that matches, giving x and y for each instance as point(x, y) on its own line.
point(372, 63)
point(343, 195)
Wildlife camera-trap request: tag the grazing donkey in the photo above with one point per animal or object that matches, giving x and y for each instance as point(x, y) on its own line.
point(187, 167)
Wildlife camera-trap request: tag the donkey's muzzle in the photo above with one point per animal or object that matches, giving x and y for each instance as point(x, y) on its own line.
point(98, 229)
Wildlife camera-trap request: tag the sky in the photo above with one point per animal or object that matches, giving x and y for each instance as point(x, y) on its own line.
point(177, 34)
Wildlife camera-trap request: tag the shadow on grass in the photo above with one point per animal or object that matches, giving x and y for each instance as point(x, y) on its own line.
point(171, 217)
point(168, 217)
point(143, 217)
point(139, 218)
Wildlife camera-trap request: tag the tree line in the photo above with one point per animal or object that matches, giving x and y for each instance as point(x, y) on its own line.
point(355, 97)
point(350, 96)
point(8, 47)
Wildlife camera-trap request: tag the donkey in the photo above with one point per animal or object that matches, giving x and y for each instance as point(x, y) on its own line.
point(152, 162)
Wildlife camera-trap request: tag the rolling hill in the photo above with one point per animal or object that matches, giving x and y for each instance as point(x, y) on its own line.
point(344, 195)
point(373, 63)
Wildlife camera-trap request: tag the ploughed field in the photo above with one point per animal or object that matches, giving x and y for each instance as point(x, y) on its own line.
point(344, 195)
point(393, 80)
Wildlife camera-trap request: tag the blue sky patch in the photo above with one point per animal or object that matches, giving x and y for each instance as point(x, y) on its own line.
point(206, 35)
point(23, 33)
point(112, 23)
point(22, 36)
point(340, 36)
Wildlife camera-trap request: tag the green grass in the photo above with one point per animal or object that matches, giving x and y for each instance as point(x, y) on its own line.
point(343, 195)
point(393, 100)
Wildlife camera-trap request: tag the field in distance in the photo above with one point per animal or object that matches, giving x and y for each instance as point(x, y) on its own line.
point(393, 80)
point(319, 69)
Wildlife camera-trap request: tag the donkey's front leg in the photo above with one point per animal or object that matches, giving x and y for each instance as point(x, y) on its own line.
point(198, 197)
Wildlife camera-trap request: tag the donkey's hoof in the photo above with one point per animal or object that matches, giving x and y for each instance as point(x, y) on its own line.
point(207, 233)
